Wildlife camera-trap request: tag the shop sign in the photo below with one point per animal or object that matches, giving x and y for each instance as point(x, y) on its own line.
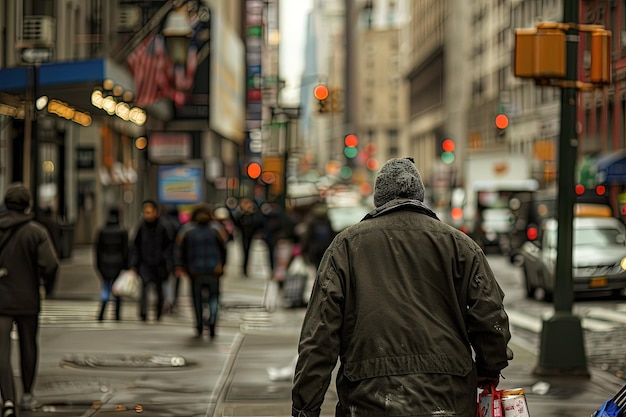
point(168, 147)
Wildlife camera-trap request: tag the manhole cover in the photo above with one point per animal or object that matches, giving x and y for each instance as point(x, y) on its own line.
point(124, 361)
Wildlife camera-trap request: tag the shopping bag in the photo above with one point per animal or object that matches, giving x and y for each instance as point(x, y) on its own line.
point(127, 284)
point(502, 403)
point(296, 280)
point(489, 403)
point(514, 403)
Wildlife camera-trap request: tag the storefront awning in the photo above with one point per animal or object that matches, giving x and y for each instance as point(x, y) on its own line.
point(71, 81)
point(611, 168)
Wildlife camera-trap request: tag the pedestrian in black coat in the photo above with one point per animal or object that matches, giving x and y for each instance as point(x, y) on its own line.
point(111, 258)
point(27, 260)
point(151, 256)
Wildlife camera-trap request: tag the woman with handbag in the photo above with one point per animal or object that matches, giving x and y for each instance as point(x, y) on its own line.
point(111, 259)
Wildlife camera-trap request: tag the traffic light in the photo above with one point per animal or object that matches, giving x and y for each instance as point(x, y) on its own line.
point(321, 93)
point(351, 142)
point(446, 151)
point(502, 122)
point(336, 99)
point(540, 53)
point(254, 170)
point(600, 71)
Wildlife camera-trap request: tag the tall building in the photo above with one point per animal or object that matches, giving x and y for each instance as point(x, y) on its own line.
point(145, 99)
point(435, 47)
point(381, 94)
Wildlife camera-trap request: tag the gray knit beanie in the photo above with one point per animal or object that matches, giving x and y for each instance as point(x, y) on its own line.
point(398, 178)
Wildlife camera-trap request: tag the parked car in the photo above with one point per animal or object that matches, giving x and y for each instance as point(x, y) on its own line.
point(598, 253)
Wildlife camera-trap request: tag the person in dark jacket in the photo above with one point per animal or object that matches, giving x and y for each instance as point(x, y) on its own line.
point(172, 286)
point(410, 307)
point(111, 258)
point(150, 256)
point(27, 260)
point(248, 220)
point(201, 254)
point(318, 235)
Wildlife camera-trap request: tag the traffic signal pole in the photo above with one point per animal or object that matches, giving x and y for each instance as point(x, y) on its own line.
point(562, 349)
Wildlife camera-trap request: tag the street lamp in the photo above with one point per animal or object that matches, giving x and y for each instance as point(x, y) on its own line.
point(178, 31)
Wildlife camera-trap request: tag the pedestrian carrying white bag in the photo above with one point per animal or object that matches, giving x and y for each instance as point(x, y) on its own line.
point(127, 284)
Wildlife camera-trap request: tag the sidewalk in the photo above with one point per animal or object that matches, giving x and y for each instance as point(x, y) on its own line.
point(122, 368)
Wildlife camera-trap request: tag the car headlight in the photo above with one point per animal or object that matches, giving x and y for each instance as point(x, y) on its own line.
point(622, 263)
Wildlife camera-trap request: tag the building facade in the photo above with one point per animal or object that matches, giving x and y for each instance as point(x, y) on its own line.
point(113, 133)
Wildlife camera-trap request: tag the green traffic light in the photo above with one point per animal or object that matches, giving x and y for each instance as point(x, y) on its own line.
point(350, 152)
point(447, 157)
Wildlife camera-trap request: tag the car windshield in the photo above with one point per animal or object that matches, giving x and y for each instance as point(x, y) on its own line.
point(598, 237)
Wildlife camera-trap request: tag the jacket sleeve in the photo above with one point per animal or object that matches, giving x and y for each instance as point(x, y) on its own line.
point(487, 322)
point(319, 345)
point(47, 260)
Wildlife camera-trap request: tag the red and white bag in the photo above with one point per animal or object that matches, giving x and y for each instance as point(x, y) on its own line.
point(502, 403)
point(489, 403)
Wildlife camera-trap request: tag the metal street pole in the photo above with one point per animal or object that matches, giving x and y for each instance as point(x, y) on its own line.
point(562, 349)
point(34, 143)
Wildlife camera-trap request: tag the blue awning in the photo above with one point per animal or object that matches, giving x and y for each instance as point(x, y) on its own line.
point(611, 168)
point(71, 81)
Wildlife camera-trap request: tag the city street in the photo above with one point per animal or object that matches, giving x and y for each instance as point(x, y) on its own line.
point(88, 368)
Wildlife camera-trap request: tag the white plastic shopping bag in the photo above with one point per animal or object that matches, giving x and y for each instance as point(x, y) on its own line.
point(127, 284)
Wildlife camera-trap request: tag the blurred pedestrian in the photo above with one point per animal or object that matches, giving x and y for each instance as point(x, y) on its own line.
point(111, 258)
point(172, 286)
point(201, 254)
point(27, 259)
point(318, 235)
point(247, 217)
point(411, 308)
point(151, 256)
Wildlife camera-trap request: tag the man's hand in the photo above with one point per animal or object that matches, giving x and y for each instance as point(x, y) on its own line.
point(484, 382)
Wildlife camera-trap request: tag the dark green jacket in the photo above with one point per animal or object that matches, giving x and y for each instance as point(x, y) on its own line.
point(27, 260)
point(401, 299)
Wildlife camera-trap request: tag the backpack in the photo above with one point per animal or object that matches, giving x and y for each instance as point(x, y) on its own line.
point(204, 251)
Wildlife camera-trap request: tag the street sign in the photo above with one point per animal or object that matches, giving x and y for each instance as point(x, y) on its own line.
point(36, 55)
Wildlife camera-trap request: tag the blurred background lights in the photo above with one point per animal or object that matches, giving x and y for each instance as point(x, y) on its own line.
point(345, 172)
point(141, 142)
point(48, 167)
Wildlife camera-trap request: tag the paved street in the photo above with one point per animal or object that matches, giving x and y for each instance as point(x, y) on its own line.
point(122, 368)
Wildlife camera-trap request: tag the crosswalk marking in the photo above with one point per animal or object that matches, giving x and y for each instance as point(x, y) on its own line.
point(606, 314)
point(593, 320)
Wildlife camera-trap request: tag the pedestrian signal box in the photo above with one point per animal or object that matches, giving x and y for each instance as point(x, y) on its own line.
point(539, 53)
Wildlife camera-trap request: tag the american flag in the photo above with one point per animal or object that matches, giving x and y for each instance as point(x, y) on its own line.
point(152, 69)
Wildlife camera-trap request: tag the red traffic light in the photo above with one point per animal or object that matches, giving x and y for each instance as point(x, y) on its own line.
point(502, 121)
point(320, 92)
point(253, 170)
point(351, 140)
point(579, 189)
point(448, 145)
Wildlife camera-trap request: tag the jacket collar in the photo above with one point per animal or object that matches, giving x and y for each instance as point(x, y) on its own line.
point(401, 204)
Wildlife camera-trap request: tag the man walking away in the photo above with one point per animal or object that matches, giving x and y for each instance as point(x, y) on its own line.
point(111, 258)
point(202, 256)
point(27, 258)
point(150, 254)
point(410, 307)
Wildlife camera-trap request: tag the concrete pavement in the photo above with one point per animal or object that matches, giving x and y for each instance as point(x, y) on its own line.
point(124, 368)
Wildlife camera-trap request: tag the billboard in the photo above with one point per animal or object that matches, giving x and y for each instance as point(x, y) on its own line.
point(180, 184)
